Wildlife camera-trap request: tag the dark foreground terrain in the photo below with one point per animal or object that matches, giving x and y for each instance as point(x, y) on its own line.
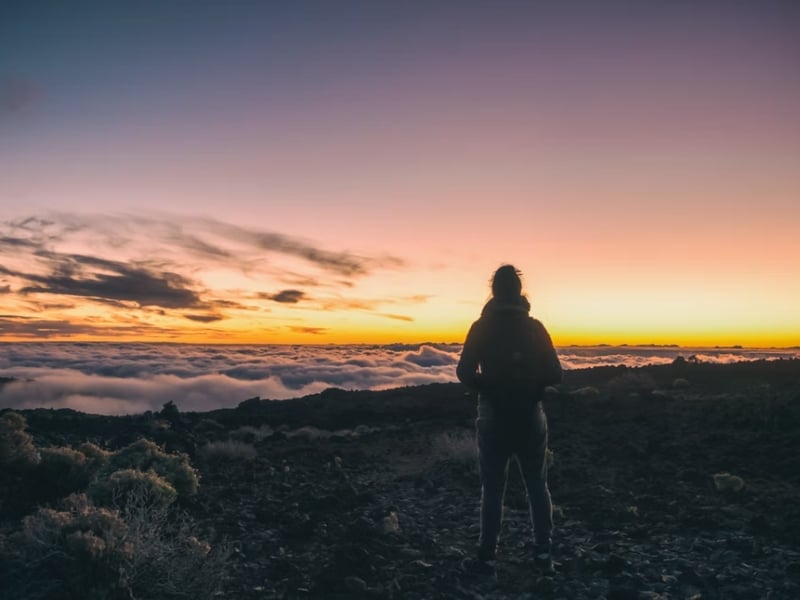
point(375, 494)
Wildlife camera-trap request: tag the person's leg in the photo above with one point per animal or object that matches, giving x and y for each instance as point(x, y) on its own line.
point(493, 462)
point(532, 459)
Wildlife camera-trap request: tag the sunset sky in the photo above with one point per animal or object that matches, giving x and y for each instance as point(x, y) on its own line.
point(335, 172)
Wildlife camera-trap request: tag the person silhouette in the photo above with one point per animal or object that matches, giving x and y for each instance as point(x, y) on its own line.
point(509, 359)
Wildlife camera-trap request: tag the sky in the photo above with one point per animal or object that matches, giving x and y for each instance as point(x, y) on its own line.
point(353, 172)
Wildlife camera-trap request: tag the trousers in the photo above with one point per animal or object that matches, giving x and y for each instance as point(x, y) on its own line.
point(501, 438)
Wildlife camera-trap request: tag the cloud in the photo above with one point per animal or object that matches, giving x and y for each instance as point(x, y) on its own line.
point(127, 378)
point(286, 296)
point(343, 263)
point(396, 317)
point(309, 330)
point(104, 280)
point(12, 325)
point(30, 327)
point(16, 94)
point(204, 318)
point(119, 378)
point(429, 356)
point(137, 262)
point(211, 239)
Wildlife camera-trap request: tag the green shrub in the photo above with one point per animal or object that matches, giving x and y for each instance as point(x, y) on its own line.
point(96, 457)
point(61, 471)
point(16, 445)
point(144, 455)
point(119, 485)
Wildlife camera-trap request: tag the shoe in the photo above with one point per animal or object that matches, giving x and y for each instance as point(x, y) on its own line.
point(476, 566)
point(543, 561)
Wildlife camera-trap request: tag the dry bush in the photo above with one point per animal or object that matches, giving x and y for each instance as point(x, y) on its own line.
point(228, 450)
point(135, 551)
point(75, 552)
point(168, 560)
point(16, 445)
point(455, 445)
point(121, 484)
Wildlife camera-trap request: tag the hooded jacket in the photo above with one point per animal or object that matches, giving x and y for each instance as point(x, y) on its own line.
point(508, 352)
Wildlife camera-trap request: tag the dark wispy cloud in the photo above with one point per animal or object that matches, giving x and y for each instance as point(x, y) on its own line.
point(37, 328)
point(308, 330)
point(286, 296)
point(396, 317)
point(22, 326)
point(107, 280)
point(343, 263)
point(17, 94)
point(204, 318)
point(217, 241)
point(206, 238)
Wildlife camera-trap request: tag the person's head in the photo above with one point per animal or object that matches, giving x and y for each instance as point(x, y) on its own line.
point(506, 283)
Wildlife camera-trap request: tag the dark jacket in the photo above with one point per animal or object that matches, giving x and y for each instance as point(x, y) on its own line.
point(508, 351)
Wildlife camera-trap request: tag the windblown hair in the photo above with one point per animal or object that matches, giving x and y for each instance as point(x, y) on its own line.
point(506, 283)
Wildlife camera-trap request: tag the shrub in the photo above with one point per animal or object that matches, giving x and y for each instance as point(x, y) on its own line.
point(119, 485)
point(94, 454)
point(170, 411)
point(168, 559)
point(628, 382)
point(228, 450)
point(144, 455)
point(140, 550)
point(16, 445)
point(78, 551)
point(61, 471)
point(248, 433)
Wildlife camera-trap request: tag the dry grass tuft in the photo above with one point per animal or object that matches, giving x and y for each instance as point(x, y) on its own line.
point(248, 433)
point(455, 445)
point(228, 450)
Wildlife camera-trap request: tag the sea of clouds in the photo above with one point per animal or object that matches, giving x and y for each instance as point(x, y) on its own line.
point(107, 378)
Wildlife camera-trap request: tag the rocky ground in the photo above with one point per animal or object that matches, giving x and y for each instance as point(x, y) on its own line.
point(375, 494)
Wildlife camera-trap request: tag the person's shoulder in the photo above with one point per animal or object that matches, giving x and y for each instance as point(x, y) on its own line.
point(537, 325)
point(477, 324)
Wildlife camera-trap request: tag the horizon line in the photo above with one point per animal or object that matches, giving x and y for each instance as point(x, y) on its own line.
point(399, 343)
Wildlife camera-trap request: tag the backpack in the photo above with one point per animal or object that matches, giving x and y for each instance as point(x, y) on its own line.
point(513, 362)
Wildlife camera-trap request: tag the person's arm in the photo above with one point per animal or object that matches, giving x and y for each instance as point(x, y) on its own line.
point(467, 369)
point(550, 373)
